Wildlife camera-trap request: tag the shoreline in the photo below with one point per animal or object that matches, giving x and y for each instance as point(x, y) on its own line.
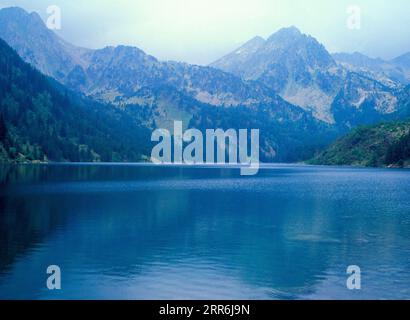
point(199, 165)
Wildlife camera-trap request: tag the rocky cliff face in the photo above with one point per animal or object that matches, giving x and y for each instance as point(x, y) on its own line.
point(304, 73)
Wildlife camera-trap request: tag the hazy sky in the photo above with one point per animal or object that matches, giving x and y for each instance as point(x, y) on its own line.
point(200, 31)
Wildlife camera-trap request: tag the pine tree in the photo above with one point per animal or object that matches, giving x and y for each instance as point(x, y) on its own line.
point(3, 129)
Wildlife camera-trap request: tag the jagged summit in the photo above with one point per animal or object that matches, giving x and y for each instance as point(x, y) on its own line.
point(257, 56)
point(286, 33)
point(21, 17)
point(256, 40)
point(292, 64)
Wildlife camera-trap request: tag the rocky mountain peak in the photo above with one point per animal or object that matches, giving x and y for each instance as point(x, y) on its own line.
point(289, 33)
point(16, 19)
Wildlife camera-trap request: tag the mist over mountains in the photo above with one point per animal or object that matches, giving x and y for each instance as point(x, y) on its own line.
point(288, 85)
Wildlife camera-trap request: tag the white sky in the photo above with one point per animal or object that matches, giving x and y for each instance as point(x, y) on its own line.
point(200, 31)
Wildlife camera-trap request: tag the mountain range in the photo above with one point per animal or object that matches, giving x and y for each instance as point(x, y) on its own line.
point(289, 85)
point(392, 73)
point(335, 88)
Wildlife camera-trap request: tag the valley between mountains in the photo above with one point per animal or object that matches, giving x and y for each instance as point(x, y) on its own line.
point(60, 102)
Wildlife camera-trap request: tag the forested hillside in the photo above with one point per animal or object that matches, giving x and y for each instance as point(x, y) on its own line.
point(385, 144)
point(42, 121)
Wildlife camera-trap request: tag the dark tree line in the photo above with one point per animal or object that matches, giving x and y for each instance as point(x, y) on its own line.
point(42, 120)
point(399, 152)
point(3, 129)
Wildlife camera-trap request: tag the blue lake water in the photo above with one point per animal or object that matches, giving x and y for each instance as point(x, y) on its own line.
point(149, 232)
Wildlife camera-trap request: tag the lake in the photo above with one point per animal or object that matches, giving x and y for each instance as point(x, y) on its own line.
point(169, 232)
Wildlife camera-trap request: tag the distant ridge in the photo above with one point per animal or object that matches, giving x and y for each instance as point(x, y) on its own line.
point(304, 73)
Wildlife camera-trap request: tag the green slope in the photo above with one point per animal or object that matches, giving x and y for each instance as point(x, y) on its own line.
point(385, 144)
point(42, 121)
